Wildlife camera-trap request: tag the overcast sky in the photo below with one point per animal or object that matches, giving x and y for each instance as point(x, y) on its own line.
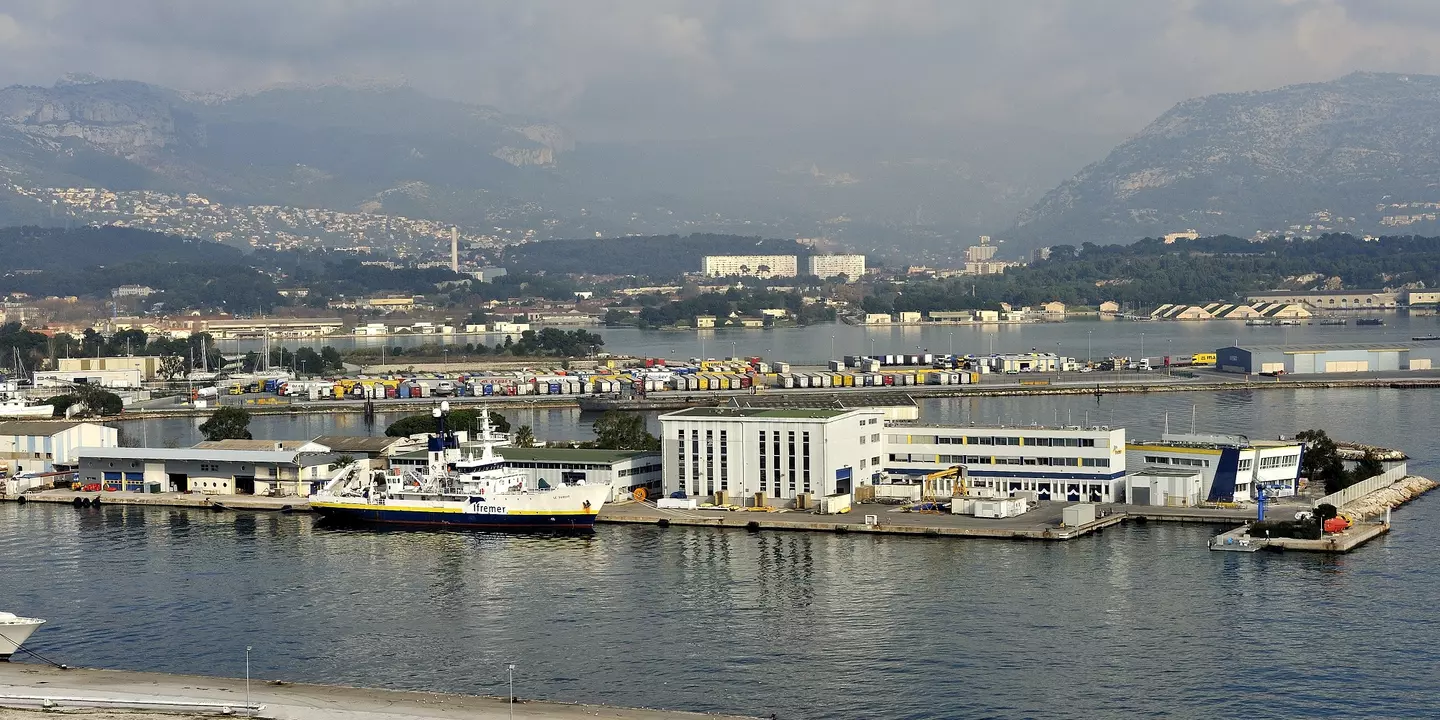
point(648, 68)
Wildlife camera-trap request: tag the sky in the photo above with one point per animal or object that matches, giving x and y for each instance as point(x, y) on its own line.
point(640, 69)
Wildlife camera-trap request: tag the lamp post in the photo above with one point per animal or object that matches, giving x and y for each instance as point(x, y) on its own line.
point(247, 676)
point(1142, 346)
point(1088, 333)
point(872, 347)
point(952, 343)
point(510, 672)
point(832, 347)
point(732, 349)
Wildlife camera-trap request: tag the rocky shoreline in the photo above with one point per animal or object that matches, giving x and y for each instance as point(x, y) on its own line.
point(1393, 496)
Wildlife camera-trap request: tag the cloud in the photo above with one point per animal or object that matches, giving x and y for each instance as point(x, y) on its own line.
point(675, 68)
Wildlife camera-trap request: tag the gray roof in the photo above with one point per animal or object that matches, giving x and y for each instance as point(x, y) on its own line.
point(1337, 346)
point(358, 443)
point(38, 427)
point(209, 454)
point(249, 444)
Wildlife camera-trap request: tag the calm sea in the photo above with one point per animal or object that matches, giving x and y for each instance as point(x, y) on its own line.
point(1137, 622)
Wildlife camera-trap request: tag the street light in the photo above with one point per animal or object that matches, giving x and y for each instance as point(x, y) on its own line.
point(732, 350)
point(832, 347)
point(1142, 346)
point(952, 343)
point(510, 670)
point(247, 675)
point(1087, 346)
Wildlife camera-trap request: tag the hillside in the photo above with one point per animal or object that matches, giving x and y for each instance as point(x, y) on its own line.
point(663, 257)
point(1342, 155)
point(1150, 272)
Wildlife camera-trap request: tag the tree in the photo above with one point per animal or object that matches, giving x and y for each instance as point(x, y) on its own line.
point(1366, 468)
point(331, 358)
point(342, 461)
point(524, 437)
point(457, 420)
point(98, 400)
point(1322, 461)
point(171, 367)
point(617, 430)
point(227, 423)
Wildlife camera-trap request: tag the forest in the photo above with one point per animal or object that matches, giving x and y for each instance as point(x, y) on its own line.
point(1150, 272)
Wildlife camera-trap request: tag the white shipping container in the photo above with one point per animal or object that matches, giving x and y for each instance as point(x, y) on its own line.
point(676, 503)
point(835, 504)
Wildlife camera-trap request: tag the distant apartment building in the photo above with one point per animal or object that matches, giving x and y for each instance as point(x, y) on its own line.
point(750, 265)
point(828, 266)
point(487, 274)
point(982, 252)
point(988, 267)
point(133, 291)
point(1170, 238)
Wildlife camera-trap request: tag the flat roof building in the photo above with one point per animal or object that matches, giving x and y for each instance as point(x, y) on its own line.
point(1332, 299)
point(775, 454)
point(828, 266)
point(750, 265)
point(1336, 358)
point(1059, 463)
point(1231, 467)
point(41, 446)
point(205, 470)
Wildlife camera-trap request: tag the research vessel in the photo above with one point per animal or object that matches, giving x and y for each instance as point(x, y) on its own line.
point(463, 490)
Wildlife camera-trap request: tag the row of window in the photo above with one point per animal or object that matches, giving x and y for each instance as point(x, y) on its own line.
point(987, 460)
point(1278, 461)
point(770, 445)
point(1187, 462)
point(711, 451)
point(642, 470)
point(1003, 440)
point(873, 438)
point(874, 462)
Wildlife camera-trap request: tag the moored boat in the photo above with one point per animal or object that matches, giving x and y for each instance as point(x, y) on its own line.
point(459, 490)
point(14, 631)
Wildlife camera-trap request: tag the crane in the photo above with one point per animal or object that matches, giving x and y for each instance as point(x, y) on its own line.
point(932, 483)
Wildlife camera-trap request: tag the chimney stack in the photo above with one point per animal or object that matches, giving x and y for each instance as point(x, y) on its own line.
point(455, 249)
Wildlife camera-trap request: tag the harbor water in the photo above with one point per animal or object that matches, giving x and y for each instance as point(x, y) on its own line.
point(814, 344)
point(1139, 621)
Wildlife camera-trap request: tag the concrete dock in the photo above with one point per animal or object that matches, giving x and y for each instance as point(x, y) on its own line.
point(1041, 523)
point(1240, 540)
point(104, 694)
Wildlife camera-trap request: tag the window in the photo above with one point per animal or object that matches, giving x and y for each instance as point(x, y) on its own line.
point(874, 421)
point(805, 453)
point(875, 437)
point(862, 439)
point(875, 460)
point(724, 461)
point(209, 467)
point(790, 438)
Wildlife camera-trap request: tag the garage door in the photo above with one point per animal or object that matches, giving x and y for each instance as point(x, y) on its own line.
point(1272, 367)
point(1304, 364)
point(1388, 360)
point(1349, 366)
point(1139, 495)
point(1419, 363)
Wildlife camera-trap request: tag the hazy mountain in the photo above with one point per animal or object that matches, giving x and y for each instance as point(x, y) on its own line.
point(396, 151)
point(1340, 155)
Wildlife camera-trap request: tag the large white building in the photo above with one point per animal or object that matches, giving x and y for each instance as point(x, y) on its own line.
point(777, 453)
point(1055, 463)
point(41, 446)
point(1231, 467)
point(750, 265)
point(827, 266)
point(206, 470)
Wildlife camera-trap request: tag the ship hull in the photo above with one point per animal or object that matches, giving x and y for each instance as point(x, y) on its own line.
point(13, 634)
point(542, 522)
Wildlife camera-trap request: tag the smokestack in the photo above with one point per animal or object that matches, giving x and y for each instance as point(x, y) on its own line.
point(454, 249)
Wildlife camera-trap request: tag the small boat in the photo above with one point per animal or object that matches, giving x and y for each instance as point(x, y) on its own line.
point(1259, 323)
point(1425, 338)
point(14, 407)
point(14, 631)
point(1369, 321)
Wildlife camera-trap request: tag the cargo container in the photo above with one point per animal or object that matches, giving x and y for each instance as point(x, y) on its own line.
point(889, 379)
point(835, 365)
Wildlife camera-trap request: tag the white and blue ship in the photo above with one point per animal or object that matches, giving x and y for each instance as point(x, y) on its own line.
point(459, 490)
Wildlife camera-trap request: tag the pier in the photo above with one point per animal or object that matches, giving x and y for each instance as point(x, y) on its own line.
point(143, 696)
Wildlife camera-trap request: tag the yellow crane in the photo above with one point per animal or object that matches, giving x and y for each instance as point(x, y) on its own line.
point(930, 490)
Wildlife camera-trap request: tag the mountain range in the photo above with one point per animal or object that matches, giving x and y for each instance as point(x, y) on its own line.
point(1361, 153)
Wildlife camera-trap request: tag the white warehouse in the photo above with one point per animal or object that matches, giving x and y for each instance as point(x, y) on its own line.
point(41, 446)
point(779, 454)
point(1056, 463)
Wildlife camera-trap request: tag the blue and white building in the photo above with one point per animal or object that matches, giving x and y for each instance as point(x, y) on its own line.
point(1232, 467)
point(1056, 463)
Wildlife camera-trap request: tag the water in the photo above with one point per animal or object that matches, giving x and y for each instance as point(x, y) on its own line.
point(1140, 621)
point(813, 344)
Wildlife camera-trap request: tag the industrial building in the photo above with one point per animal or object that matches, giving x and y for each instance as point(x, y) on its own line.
point(120, 378)
point(148, 366)
point(1338, 358)
point(828, 266)
point(750, 265)
point(1059, 463)
point(205, 470)
point(41, 446)
point(1332, 299)
point(1231, 467)
point(1181, 487)
point(779, 455)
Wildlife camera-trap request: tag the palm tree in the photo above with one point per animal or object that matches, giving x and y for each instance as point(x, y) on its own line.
point(524, 437)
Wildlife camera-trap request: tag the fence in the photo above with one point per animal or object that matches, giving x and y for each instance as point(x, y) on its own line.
point(1364, 487)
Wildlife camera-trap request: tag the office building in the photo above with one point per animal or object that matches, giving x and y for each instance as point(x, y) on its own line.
point(1055, 463)
point(749, 266)
point(776, 454)
point(1231, 466)
point(41, 446)
point(828, 266)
